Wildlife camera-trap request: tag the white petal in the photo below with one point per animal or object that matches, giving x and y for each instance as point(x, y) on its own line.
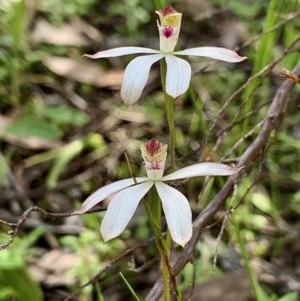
point(177, 212)
point(178, 76)
point(121, 209)
point(105, 191)
point(218, 53)
point(120, 51)
point(202, 169)
point(136, 75)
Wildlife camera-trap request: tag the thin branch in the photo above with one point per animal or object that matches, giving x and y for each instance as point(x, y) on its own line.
point(271, 122)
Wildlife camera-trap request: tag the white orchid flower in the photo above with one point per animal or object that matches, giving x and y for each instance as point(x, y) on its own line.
point(129, 192)
point(178, 70)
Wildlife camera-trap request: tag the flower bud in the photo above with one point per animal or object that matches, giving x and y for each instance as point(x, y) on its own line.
point(169, 28)
point(154, 154)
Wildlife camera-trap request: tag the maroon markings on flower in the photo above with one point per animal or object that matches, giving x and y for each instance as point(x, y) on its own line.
point(167, 10)
point(154, 154)
point(155, 165)
point(168, 31)
point(153, 145)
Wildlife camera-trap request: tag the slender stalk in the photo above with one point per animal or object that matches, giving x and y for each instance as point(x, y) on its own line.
point(169, 103)
point(166, 246)
point(153, 210)
point(136, 297)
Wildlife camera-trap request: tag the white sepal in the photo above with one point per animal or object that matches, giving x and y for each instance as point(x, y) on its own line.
point(177, 212)
point(178, 76)
point(121, 209)
point(136, 76)
point(202, 169)
point(120, 51)
point(105, 191)
point(217, 53)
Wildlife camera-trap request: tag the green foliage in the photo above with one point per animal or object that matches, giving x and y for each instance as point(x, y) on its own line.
point(242, 8)
point(159, 3)
point(17, 282)
point(15, 279)
point(293, 296)
point(31, 126)
point(260, 295)
point(18, 22)
point(266, 52)
point(262, 202)
point(136, 12)
point(203, 269)
point(92, 252)
point(65, 155)
point(64, 115)
point(59, 11)
point(13, 23)
point(48, 124)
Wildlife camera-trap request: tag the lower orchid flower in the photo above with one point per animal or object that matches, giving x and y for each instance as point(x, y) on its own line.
point(129, 192)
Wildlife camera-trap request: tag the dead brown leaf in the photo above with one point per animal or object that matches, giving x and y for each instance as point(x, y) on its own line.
point(66, 35)
point(84, 72)
point(53, 267)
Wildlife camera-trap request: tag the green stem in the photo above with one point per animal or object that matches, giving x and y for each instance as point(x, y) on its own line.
point(136, 297)
point(15, 79)
point(169, 103)
point(17, 30)
point(153, 210)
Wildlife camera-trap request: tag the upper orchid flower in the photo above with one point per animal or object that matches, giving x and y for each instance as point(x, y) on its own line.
point(130, 191)
point(178, 70)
